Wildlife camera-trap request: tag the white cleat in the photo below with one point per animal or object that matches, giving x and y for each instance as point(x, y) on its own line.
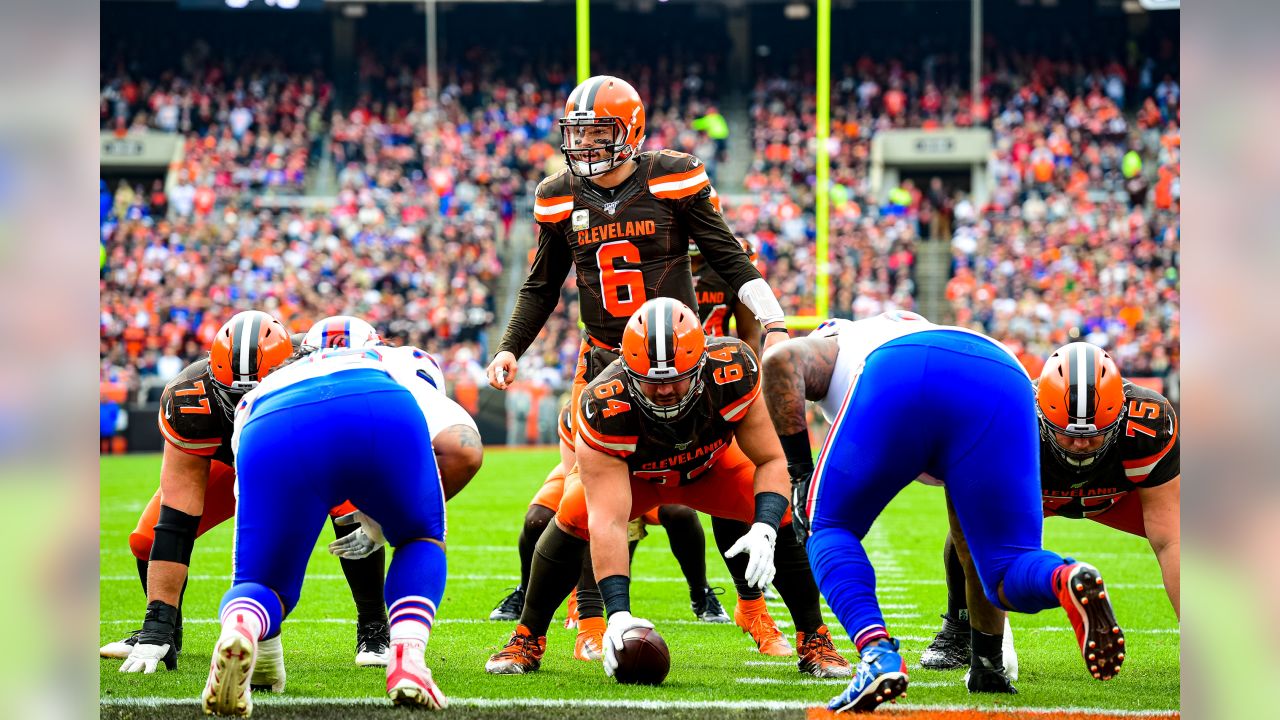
point(1006, 649)
point(268, 671)
point(227, 690)
point(409, 679)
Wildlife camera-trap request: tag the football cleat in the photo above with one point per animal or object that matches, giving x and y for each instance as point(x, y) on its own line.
point(226, 692)
point(510, 607)
point(707, 607)
point(268, 670)
point(1080, 591)
point(818, 656)
point(881, 676)
point(589, 645)
point(372, 641)
point(522, 654)
point(120, 649)
point(571, 611)
point(753, 617)
point(769, 594)
point(986, 678)
point(409, 679)
point(1006, 648)
point(949, 649)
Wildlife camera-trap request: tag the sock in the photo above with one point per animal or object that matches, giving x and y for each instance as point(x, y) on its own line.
point(590, 600)
point(365, 577)
point(556, 568)
point(142, 573)
point(535, 522)
point(795, 584)
point(726, 533)
point(631, 548)
point(848, 581)
point(688, 545)
point(415, 586)
point(256, 605)
point(986, 647)
point(957, 603)
point(1028, 583)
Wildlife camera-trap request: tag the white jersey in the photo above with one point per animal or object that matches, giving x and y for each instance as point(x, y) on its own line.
point(859, 338)
point(412, 368)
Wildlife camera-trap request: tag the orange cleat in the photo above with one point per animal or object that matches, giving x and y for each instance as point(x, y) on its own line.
point(753, 617)
point(571, 616)
point(818, 656)
point(589, 646)
point(522, 654)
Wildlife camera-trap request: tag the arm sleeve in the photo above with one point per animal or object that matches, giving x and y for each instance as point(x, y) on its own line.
point(716, 241)
point(540, 293)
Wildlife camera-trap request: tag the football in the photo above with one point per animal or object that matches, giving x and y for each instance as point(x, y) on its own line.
point(644, 660)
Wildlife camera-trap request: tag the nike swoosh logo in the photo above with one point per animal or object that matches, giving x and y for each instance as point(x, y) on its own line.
point(587, 412)
point(168, 410)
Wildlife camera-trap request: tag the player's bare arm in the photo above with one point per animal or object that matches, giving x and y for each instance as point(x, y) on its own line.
point(459, 454)
point(759, 442)
point(983, 615)
point(1160, 515)
point(183, 479)
point(795, 371)
point(607, 483)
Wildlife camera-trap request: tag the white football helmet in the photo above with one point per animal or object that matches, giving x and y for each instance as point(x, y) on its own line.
point(340, 331)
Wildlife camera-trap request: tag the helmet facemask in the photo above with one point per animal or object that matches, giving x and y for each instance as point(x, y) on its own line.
point(229, 396)
point(657, 376)
point(1078, 461)
point(586, 138)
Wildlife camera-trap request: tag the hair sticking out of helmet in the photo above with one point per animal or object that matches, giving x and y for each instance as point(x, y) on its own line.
point(1080, 403)
point(341, 331)
point(603, 126)
point(250, 345)
point(663, 352)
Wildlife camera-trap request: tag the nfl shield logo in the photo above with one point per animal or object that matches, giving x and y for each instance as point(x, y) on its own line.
point(611, 207)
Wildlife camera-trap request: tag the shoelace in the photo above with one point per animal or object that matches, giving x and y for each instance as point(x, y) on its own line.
point(821, 644)
point(766, 630)
point(513, 601)
point(521, 644)
point(373, 635)
point(710, 600)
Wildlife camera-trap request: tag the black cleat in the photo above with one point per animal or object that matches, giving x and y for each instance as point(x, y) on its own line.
point(509, 609)
point(949, 649)
point(120, 649)
point(707, 608)
point(987, 676)
point(373, 640)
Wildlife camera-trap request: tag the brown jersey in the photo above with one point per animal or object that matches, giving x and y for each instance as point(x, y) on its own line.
point(628, 244)
point(716, 301)
point(1144, 454)
point(611, 421)
point(192, 418)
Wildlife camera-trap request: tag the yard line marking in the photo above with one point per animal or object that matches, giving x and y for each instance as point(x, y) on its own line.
point(265, 699)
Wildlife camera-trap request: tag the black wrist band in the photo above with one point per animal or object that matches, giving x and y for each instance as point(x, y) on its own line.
point(770, 507)
point(776, 329)
point(797, 449)
point(616, 590)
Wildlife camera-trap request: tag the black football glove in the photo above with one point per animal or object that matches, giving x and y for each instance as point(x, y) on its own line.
point(801, 476)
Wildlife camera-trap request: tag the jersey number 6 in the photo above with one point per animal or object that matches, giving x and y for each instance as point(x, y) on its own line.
point(622, 289)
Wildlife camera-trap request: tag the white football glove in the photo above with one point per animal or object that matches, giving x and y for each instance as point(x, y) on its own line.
point(619, 624)
point(362, 542)
point(144, 658)
point(758, 543)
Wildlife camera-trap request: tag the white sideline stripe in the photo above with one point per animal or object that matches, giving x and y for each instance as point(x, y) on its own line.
point(264, 699)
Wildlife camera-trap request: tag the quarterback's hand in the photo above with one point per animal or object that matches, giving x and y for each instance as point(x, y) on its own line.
point(144, 658)
point(619, 624)
point(502, 371)
point(800, 479)
point(361, 543)
point(758, 543)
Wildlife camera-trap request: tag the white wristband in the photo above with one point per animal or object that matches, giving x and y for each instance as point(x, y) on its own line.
point(759, 298)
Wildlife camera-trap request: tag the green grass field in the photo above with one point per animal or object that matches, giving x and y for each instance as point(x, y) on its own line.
point(715, 668)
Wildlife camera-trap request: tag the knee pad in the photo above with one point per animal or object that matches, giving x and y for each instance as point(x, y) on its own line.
point(538, 516)
point(676, 514)
point(140, 546)
point(175, 536)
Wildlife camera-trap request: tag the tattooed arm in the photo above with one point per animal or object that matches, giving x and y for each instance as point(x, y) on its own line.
point(795, 371)
point(458, 455)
